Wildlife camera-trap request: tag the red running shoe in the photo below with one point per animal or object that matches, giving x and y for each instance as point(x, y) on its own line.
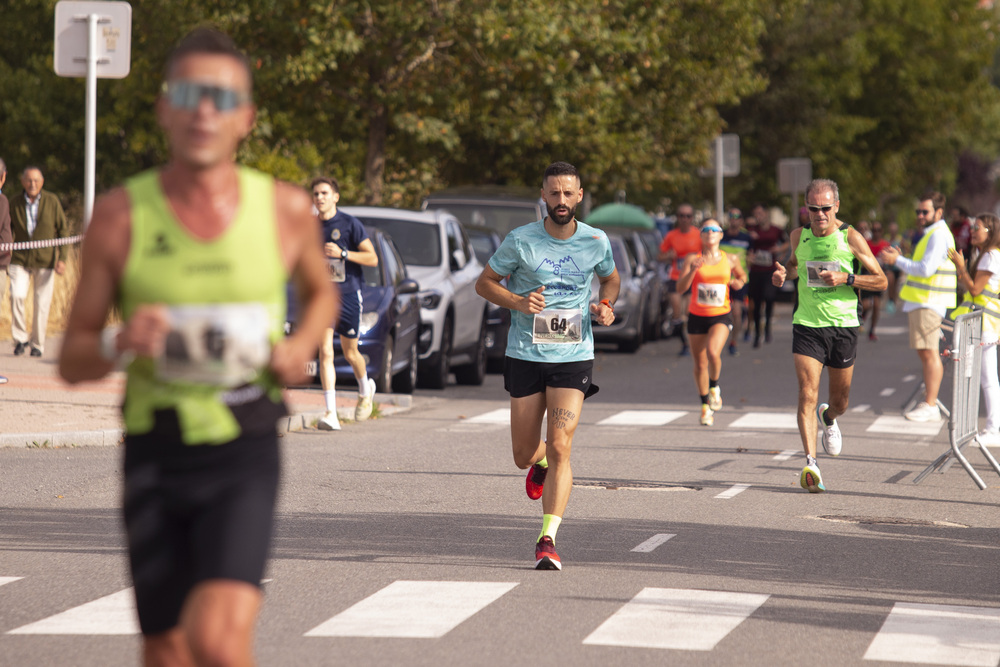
point(535, 480)
point(546, 557)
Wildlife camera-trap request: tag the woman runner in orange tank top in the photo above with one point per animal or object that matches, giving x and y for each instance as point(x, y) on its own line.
point(710, 276)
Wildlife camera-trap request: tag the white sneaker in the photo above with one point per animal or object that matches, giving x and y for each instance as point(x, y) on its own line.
point(715, 398)
point(924, 413)
point(329, 422)
point(989, 438)
point(829, 436)
point(363, 410)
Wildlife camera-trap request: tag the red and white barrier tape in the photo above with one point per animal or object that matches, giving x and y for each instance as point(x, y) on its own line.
point(47, 243)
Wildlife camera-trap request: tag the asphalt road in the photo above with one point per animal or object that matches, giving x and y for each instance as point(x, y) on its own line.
point(409, 540)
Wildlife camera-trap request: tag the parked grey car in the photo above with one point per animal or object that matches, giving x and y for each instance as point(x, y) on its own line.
point(439, 256)
point(628, 329)
point(500, 208)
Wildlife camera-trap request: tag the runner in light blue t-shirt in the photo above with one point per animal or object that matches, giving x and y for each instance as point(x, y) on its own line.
point(533, 258)
point(549, 367)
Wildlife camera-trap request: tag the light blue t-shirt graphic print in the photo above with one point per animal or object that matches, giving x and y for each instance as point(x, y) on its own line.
point(532, 258)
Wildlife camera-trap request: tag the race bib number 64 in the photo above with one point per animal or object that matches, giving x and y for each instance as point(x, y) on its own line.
point(558, 326)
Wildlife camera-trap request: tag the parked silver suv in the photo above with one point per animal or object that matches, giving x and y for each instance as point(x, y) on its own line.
point(440, 258)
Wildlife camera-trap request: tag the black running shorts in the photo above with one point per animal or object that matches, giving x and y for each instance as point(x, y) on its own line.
point(835, 347)
point(700, 324)
point(523, 378)
point(195, 513)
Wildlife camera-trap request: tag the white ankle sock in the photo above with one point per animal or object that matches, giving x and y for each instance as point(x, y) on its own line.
point(331, 400)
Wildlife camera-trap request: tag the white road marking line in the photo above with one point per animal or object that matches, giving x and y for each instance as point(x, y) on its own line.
point(785, 455)
point(653, 542)
point(415, 609)
point(671, 618)
point(110, 615)
point(903, 426)
point(909, 378)
point(938, 634)
point(7, 580)
point(499, 416)
point(892, 331)
point(860, 408)
point(642, 418)
point(733, 491)
point(888, 391)
point(768, 420)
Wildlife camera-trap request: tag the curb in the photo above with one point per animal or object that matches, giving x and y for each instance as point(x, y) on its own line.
point(388, 404)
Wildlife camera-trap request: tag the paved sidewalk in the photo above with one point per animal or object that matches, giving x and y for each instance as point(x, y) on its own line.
point(38, 409)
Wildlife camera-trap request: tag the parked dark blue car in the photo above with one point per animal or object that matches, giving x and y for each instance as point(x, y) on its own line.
point(390, 321)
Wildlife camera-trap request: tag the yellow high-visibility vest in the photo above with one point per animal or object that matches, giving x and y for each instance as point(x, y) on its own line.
point(986, 301)
point(941, 287)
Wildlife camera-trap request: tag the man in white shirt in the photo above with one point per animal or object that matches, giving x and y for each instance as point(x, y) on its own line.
point(928, 293)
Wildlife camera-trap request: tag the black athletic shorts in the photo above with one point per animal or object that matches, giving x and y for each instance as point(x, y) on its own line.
point(760, 287)
point(739, 295)
point(835, 347)
point(523, 378)
point(349, 323)
point(195, 513)
point(700, 324)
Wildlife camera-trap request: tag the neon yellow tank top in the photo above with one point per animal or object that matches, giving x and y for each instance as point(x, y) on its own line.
point(819, 305)
point(240, 273)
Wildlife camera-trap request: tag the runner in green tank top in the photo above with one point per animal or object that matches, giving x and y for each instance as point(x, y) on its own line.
point(196, 256)
point(825, 324)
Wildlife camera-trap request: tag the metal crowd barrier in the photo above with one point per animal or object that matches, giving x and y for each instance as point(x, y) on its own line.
point(963, 421)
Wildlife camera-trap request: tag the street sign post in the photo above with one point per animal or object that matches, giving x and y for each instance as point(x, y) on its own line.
point(92, 39)
point(794, 175)
point(725, 162)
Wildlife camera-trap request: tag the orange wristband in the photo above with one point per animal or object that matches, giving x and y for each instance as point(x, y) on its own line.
point(607, 303)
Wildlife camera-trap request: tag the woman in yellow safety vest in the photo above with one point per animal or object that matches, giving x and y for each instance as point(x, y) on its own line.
point(982, 292)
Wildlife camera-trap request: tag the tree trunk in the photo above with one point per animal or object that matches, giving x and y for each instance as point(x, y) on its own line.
point(378, 127)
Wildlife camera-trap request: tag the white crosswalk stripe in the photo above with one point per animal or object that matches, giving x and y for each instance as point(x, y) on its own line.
point(903, 426)
point(426, 609)
point(691, 620)
point(110, 615)
point(938, 634)
point(656, 618)
point(767, 420)
point(642, 418)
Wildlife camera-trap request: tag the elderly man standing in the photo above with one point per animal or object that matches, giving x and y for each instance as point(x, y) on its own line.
point(37, 215)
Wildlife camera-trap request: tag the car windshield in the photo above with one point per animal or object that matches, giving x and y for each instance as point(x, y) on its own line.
point(419, 243)
point(482, 244)
point(502, 218)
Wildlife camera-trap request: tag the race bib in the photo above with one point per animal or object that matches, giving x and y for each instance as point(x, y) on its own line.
point(217, 344)
point(558, 326)
point(338, 269)
point(813, 269)
point(711, 295)
point(762, 258)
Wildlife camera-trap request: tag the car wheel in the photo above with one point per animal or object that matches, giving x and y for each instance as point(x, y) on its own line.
point(475, 372)
point(434, 374)
point(383, 383)
point(407, 380)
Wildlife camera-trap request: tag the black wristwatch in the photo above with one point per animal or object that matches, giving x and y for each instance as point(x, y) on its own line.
point(343, 254)
point(850, 279)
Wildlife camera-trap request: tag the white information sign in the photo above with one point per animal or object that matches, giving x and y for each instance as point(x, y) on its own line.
point(113, 46)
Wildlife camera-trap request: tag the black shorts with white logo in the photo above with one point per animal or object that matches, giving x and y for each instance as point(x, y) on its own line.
point(701, 324)
point(523, 378)
point(349, 324)
point(835, 347)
